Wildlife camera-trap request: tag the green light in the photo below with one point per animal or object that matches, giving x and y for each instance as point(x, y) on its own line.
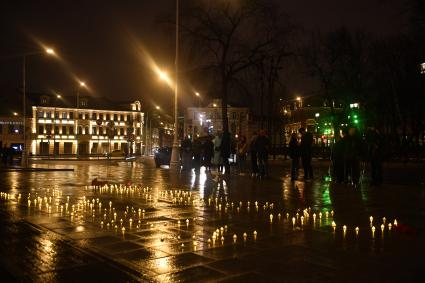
point(356, 121)
point(355, 116)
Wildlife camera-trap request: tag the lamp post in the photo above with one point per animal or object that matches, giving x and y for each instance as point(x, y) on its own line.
point(175, 162)
point(49, 51)
point(80, 85)
point(58, 96)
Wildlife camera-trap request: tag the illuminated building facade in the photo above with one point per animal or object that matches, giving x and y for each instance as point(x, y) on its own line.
point(200, 120)
point(96, 127)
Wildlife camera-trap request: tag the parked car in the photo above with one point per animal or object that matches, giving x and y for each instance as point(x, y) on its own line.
point(162, 156)
point(117, 153)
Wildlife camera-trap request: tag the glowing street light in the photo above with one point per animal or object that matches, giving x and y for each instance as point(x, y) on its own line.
point(157, 107)
point(50, 51)
point(15, 113)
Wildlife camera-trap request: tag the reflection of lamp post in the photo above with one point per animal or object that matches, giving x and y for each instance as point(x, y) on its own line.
point(49, 51)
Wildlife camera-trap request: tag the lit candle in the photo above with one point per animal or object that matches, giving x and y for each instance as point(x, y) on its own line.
point(357, 231)
point(382, 228)
point(371, 220)
point(389, 226)
point(384, 220)
point(293, 221)
point(314, 217)
point(344, 229)
point(320, 215)
point(235, 237)
point(255, 235)
point(395, 222)
point(333, 225)
point(271, 217)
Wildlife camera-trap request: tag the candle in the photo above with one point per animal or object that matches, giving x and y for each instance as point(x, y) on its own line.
point(357, 231)
point(395, 222)
point(389, 226)
point(293, 221)
point(235, 237)
point(371, 220)
point(271, 217)
point(333, 225)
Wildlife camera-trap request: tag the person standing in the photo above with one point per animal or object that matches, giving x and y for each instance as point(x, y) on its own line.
point(208, 149)
point(294, 154)
point(338, 157)
point(253, 155)
point(242, 149)
point(217, 160)
point(352, 155)
point(306, 148)
point(262, 145)
point(375, 152)
point(186, 147)
point(197, 151)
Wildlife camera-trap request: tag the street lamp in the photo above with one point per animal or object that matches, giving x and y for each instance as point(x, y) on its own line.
point(58, 96)
point(49, 51)
point(80, 85)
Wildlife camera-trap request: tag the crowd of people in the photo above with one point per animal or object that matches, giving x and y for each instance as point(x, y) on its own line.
point(348, 153)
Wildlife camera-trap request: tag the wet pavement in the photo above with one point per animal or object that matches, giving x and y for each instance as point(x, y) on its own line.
point(152, 225)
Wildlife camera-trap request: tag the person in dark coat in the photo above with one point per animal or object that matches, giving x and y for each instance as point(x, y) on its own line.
point(253, 155)
point(352, 154)
point(294, 154)
point(262, 145)
point(306, 148)
point(186, 148)
point(338, 157)
point(208, 153)
point(197, 152)
point(375, 154)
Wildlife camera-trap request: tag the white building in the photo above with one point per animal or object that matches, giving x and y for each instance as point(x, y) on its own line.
point(198, 120)
point(93, 128)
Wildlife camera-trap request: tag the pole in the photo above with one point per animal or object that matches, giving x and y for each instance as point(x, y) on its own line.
point(175, 162)
point(76, 120)
point(24, 158)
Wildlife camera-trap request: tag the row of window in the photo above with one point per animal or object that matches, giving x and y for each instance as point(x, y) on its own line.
point(69, 130)
point(86, 116)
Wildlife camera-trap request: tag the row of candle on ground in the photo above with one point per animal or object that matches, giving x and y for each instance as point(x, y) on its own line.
point(123, 224)
point(383, 226)
point(146, 192)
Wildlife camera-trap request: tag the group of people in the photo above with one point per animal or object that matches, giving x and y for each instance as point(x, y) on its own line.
point(207, 151)
point(350, 150)
point(215, 151)
point(301, 149)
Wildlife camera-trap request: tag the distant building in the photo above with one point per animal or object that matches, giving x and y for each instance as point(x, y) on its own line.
point(199, 121)
point(56, 126)
point(313, 116)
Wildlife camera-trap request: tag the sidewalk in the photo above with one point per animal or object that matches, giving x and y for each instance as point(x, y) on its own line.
point(75, 239)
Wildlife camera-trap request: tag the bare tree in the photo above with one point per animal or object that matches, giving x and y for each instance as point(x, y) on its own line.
point(232, 37)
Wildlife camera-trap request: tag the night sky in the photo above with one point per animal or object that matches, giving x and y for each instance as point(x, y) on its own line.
point(96, 42)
